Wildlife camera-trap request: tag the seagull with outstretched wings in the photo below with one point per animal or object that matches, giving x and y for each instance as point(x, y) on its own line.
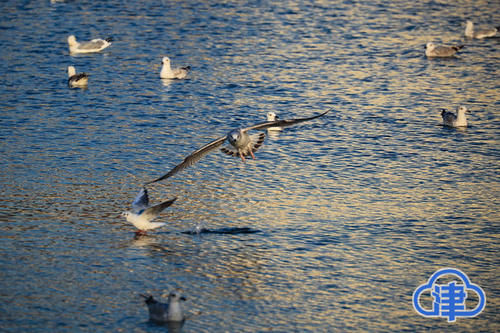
point(142, 214)
point(241, 143)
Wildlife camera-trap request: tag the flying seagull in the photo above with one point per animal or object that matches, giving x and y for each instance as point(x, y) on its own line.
point(479, 34)
point(165, 312)
point(79, 80)
point(95, 45)
point(433, 50)
point(142, 214)
point(168, 73)
point(455, 120)
point(242, 144)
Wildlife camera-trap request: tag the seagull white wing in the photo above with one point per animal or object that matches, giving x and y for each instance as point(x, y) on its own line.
point(141, 202)
point(283, 122)
point(193, 158)
point(92, 45)
point(445, 51)
point(489, 32)
point(154, 211)
point(181, 72)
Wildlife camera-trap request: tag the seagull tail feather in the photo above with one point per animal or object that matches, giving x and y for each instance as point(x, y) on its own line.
point(229, 152)
point(259, 140)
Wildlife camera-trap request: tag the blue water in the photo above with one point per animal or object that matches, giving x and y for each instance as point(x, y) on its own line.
point(331, 228)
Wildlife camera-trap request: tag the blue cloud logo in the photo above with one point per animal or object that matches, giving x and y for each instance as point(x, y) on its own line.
point(449, 299)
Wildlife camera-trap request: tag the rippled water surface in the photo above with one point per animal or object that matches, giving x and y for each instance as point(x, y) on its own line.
point(331, 228)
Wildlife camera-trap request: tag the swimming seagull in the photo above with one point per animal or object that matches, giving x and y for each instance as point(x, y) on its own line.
point(483, 33)
point(271, 116)
point(165, 312)
point(79, 80)
point(433, 50)
point(168, 73)
point(454, 120)
point(243, 144)
point(142, 214)
point(95, 45)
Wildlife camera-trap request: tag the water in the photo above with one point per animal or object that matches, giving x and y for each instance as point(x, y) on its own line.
point(331, 228)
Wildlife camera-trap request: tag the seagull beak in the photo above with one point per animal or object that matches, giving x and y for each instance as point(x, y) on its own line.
point(183, 298)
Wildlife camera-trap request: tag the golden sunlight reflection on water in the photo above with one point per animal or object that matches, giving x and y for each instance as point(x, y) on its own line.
point(330, 228)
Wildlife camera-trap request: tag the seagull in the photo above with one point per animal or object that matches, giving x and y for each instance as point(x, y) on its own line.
point(243, 144)
point(271, 116)
point(95, 45)
point(452, 120)
point(433, 50)
point(79, 80)
point(479, 34)
point(165, 312)
point(142, 213)
point(168, 73)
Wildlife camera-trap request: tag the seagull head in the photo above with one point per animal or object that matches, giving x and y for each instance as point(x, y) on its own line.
point(271, 116)
point(234, 136)
point(430, 46)
point(175, 297)
point(462, 109)
point(165, 60)
point(72, 40)
point(71, 71)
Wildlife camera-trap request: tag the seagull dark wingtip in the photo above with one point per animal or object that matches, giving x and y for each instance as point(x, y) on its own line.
point(155, 180)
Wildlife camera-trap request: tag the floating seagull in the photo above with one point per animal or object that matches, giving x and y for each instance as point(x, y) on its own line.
point(95, 45)
point(142, 213)
point(271, 116)
point(79, 80)
point(483, 33)
point(165, 312)
point(168, 73)
point(452, 120)
point(433, 50)
point(243, 144)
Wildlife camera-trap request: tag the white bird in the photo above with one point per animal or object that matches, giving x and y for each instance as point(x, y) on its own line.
point(433, 50)
point(271, 116)
point(168, 73)
point(79, 80)
point(165, 312)
point(142, 214)
point(242, 144)
point(455, 120)
point(483, 33)
point(95, 45)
